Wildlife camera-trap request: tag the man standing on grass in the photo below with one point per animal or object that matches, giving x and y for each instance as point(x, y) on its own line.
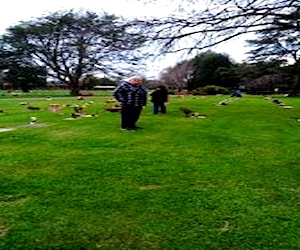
point(132, 96)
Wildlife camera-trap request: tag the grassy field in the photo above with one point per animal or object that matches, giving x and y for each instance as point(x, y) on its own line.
point(229, 181)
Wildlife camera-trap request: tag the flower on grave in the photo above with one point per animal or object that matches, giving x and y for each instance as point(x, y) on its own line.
point(55, 107)
point(111, 100)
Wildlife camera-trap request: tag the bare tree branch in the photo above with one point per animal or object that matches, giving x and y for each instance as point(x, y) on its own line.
point(216, 21)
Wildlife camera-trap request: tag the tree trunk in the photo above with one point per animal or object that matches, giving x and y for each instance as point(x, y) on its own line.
point(74, 87)
point(24, 87)
point(296, 88)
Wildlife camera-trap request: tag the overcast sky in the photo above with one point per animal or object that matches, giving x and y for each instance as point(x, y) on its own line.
point(14, 11)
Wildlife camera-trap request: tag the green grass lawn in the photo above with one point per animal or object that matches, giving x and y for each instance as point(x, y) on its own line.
point(229, 181)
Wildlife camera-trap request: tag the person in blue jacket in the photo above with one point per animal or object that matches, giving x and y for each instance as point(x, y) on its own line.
point(159, 98)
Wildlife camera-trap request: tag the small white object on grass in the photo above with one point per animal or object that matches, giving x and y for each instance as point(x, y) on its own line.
point(6, 129)
point(33, 120)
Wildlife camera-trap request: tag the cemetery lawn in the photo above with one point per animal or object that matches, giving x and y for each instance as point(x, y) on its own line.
point(227, 181)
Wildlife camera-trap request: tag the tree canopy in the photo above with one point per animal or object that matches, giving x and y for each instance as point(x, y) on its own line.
point(210, 68)
point(280, 40)
point(71, 45)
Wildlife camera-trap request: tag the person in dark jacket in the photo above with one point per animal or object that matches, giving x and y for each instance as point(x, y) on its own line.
point(159, 98)
point(132, 97)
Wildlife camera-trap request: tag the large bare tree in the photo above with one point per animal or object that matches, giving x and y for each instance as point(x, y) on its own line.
point(178, 75)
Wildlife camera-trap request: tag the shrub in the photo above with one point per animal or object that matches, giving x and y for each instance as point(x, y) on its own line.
point(211, 90)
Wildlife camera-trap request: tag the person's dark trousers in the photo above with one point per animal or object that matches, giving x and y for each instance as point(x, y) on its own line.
point(163, 108)
point(159, 107)
point(136, 112)
point(155, 108)
point(129, 116)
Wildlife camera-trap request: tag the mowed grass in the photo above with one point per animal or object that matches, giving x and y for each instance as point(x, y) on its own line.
point(229, 181)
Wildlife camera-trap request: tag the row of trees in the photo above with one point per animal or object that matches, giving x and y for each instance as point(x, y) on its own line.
point(68, 46)
point(274, 61)
point(210, 68)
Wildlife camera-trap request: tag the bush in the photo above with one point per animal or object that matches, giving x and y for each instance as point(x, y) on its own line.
point(211, 90)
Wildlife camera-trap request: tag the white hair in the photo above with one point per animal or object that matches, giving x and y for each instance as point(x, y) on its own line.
point(134, 78)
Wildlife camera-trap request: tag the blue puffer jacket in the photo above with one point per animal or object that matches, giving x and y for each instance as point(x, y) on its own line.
point(131, 95)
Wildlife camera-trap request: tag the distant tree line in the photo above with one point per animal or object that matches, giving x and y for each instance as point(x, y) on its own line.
point(199, 25)
point(216, 69)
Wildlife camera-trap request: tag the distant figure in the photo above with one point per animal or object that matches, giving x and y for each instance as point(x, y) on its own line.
point(159, 98)
point(132, 97)
point(236, 93)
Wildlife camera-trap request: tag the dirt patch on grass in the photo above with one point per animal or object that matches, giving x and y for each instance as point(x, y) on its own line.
point(12, 199)
point(122, 240)
point(23, 126)
point(150, 187)
point(33, 125)
point(3, 228)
